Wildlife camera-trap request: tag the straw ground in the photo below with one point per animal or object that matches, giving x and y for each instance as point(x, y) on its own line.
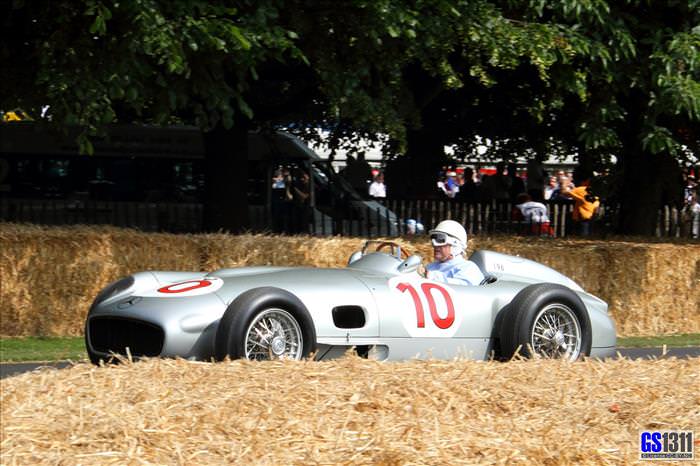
point(349, 411)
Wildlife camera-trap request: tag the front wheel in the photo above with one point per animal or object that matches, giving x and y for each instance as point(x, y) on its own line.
point(548, 321)
point(263, 324)
point(273, 334)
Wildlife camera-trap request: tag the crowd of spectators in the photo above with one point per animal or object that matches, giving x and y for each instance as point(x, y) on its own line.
point(291, 194)
point(526, 191)
point(505, 184)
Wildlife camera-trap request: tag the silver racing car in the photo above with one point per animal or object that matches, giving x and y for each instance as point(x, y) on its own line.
point(379, 306)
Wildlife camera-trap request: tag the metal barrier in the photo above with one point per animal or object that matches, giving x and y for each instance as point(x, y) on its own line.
point(482, 218)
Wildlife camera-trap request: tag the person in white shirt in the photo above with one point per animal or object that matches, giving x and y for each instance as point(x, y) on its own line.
point(550, 188)
point(449, 241)
point(532, 212)
point(377, 188)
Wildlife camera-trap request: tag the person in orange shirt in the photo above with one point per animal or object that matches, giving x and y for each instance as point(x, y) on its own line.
point(585, 206)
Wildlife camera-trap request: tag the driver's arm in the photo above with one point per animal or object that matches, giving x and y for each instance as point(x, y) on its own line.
point(457, 276)
point(456, 279)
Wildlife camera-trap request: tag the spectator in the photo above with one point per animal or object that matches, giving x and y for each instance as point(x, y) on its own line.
point(281, 200)
point(358, 173)
point(442, 185)
point(585, 206)
point(690, 188)
point(414, 227)
point(378, 189)
point(301, 198)
point(497, 186)
point(517, 185)
point(278, 180)
point(451, 186)
point(550, 188)
point(564, 185)
point(690, 214)
point(694, 208)
point(469, 190)
point(534, 214)
point(536, 178)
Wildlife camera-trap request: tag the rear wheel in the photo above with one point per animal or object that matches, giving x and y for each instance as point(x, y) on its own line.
point(265, 323)
point(548, 321)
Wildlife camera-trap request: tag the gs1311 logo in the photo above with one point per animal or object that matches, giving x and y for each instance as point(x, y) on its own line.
point(666, 445)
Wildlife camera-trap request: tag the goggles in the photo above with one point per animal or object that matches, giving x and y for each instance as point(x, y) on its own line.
point(440, 239)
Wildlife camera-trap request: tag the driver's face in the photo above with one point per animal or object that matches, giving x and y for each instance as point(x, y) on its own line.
point(442, 253)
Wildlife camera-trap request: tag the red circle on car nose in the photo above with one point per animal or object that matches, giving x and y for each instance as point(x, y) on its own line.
point(196, 284)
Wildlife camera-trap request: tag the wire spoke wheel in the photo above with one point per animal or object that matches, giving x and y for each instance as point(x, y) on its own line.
point(556, 333)
point(273, 334)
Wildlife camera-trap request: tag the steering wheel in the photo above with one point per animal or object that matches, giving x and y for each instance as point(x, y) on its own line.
point(393, 246)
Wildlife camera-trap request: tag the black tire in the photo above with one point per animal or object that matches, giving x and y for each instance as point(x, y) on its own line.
point(496, 350)
point(241, 313)
point(536, 302)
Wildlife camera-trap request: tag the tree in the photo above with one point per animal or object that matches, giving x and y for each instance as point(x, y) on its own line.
point(642, 98)
point(445, 89)
point(600, 77)
point(630, 89)
point(92, 63)
point(229, 66)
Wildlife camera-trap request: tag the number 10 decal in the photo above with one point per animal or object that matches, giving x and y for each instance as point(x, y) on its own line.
point(427, 288)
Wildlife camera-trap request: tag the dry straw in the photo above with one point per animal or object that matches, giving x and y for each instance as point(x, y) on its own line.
point(349, 411)
point(48, 276)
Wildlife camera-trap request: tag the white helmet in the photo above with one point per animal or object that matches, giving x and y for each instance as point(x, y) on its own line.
point(450, 232)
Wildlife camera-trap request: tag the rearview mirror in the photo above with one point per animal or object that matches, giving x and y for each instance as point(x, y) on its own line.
point(410, 265)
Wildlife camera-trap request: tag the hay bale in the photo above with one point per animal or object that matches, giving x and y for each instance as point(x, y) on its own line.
point(349, 411)
point(50, 275)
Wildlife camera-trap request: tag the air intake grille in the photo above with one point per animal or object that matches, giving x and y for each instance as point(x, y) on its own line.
point(110, 335)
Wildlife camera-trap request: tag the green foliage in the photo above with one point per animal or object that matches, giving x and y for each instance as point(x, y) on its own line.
point(97, 62)
point(570, 68)
point(642, 70)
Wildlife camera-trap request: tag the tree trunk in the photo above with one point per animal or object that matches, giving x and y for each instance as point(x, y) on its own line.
point(415, 174)
point(226, 179)
point(649, 182)
point(647, 179)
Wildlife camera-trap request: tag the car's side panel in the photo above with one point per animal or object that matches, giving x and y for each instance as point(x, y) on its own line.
point(320, 290)
point(438, 348)
point(414, 307)
point(520, 269)
point(401, 349)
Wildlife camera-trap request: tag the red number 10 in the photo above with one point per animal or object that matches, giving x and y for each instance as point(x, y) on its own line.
point(427, 291)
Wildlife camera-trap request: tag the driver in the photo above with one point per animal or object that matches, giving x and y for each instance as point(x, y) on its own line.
point(449, 240)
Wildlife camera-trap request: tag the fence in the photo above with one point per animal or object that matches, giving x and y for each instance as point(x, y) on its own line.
point(484, 218)
point(364, 220)
point(176, 218)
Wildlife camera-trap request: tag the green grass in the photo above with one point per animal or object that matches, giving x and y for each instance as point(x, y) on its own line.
point(42, 349)
point(672, 341)
point(73, 348)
